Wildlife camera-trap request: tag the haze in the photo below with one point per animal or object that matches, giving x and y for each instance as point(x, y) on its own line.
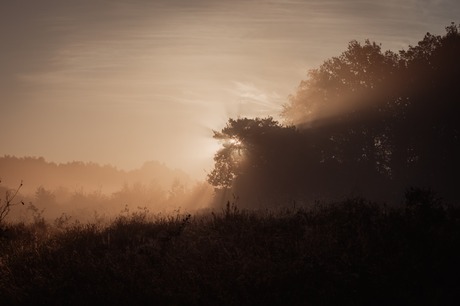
point(124, 82)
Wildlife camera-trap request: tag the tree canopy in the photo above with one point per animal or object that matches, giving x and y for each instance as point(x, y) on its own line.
point(366, 122)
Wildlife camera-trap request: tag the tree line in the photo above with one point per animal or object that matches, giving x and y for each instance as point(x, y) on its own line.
point(83, 190)
point(365, 123)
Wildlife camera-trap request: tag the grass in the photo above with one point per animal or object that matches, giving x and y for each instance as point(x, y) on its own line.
point(353, 253)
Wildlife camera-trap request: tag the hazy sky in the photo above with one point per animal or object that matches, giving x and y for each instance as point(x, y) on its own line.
point(122, 82)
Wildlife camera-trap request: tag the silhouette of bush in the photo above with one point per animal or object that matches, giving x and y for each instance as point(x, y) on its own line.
point(346, 252)
point(7, 202)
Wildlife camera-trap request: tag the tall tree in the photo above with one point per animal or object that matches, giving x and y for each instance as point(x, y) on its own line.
point(366, 121)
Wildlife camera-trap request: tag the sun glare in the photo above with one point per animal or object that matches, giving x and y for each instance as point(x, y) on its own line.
point(234, 142)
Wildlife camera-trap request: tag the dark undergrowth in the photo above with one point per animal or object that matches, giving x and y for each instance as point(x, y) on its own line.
point(349, 253)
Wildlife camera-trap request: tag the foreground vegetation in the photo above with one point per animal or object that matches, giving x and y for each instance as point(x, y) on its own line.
point(352, 252)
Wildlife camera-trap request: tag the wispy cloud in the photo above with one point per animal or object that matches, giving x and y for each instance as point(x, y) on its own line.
point(257, 101)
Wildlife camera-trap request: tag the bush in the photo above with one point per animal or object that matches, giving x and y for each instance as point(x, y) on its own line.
point(349, 252)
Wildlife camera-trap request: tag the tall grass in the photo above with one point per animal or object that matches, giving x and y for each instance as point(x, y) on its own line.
point(351, 252)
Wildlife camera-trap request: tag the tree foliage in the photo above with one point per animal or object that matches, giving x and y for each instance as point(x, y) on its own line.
point(367, 122)
point(240, 139)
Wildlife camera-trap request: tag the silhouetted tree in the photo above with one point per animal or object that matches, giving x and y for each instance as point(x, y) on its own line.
point(367, 121)
point(241, 140)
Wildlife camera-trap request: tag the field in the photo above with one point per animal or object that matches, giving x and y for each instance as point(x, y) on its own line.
point(352, 252)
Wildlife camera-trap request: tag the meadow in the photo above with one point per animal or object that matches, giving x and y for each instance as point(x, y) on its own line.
point(352, 252)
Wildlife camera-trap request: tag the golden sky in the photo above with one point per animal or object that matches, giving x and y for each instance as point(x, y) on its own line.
point(123, 82)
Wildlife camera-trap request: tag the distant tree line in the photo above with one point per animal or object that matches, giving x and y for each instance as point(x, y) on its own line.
point(365, 123)
point(81, 190)
point(36, 171)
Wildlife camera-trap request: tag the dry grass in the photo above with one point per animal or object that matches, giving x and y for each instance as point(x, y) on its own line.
point(353, 252)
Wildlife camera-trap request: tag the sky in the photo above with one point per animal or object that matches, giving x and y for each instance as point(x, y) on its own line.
point(123, 82)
